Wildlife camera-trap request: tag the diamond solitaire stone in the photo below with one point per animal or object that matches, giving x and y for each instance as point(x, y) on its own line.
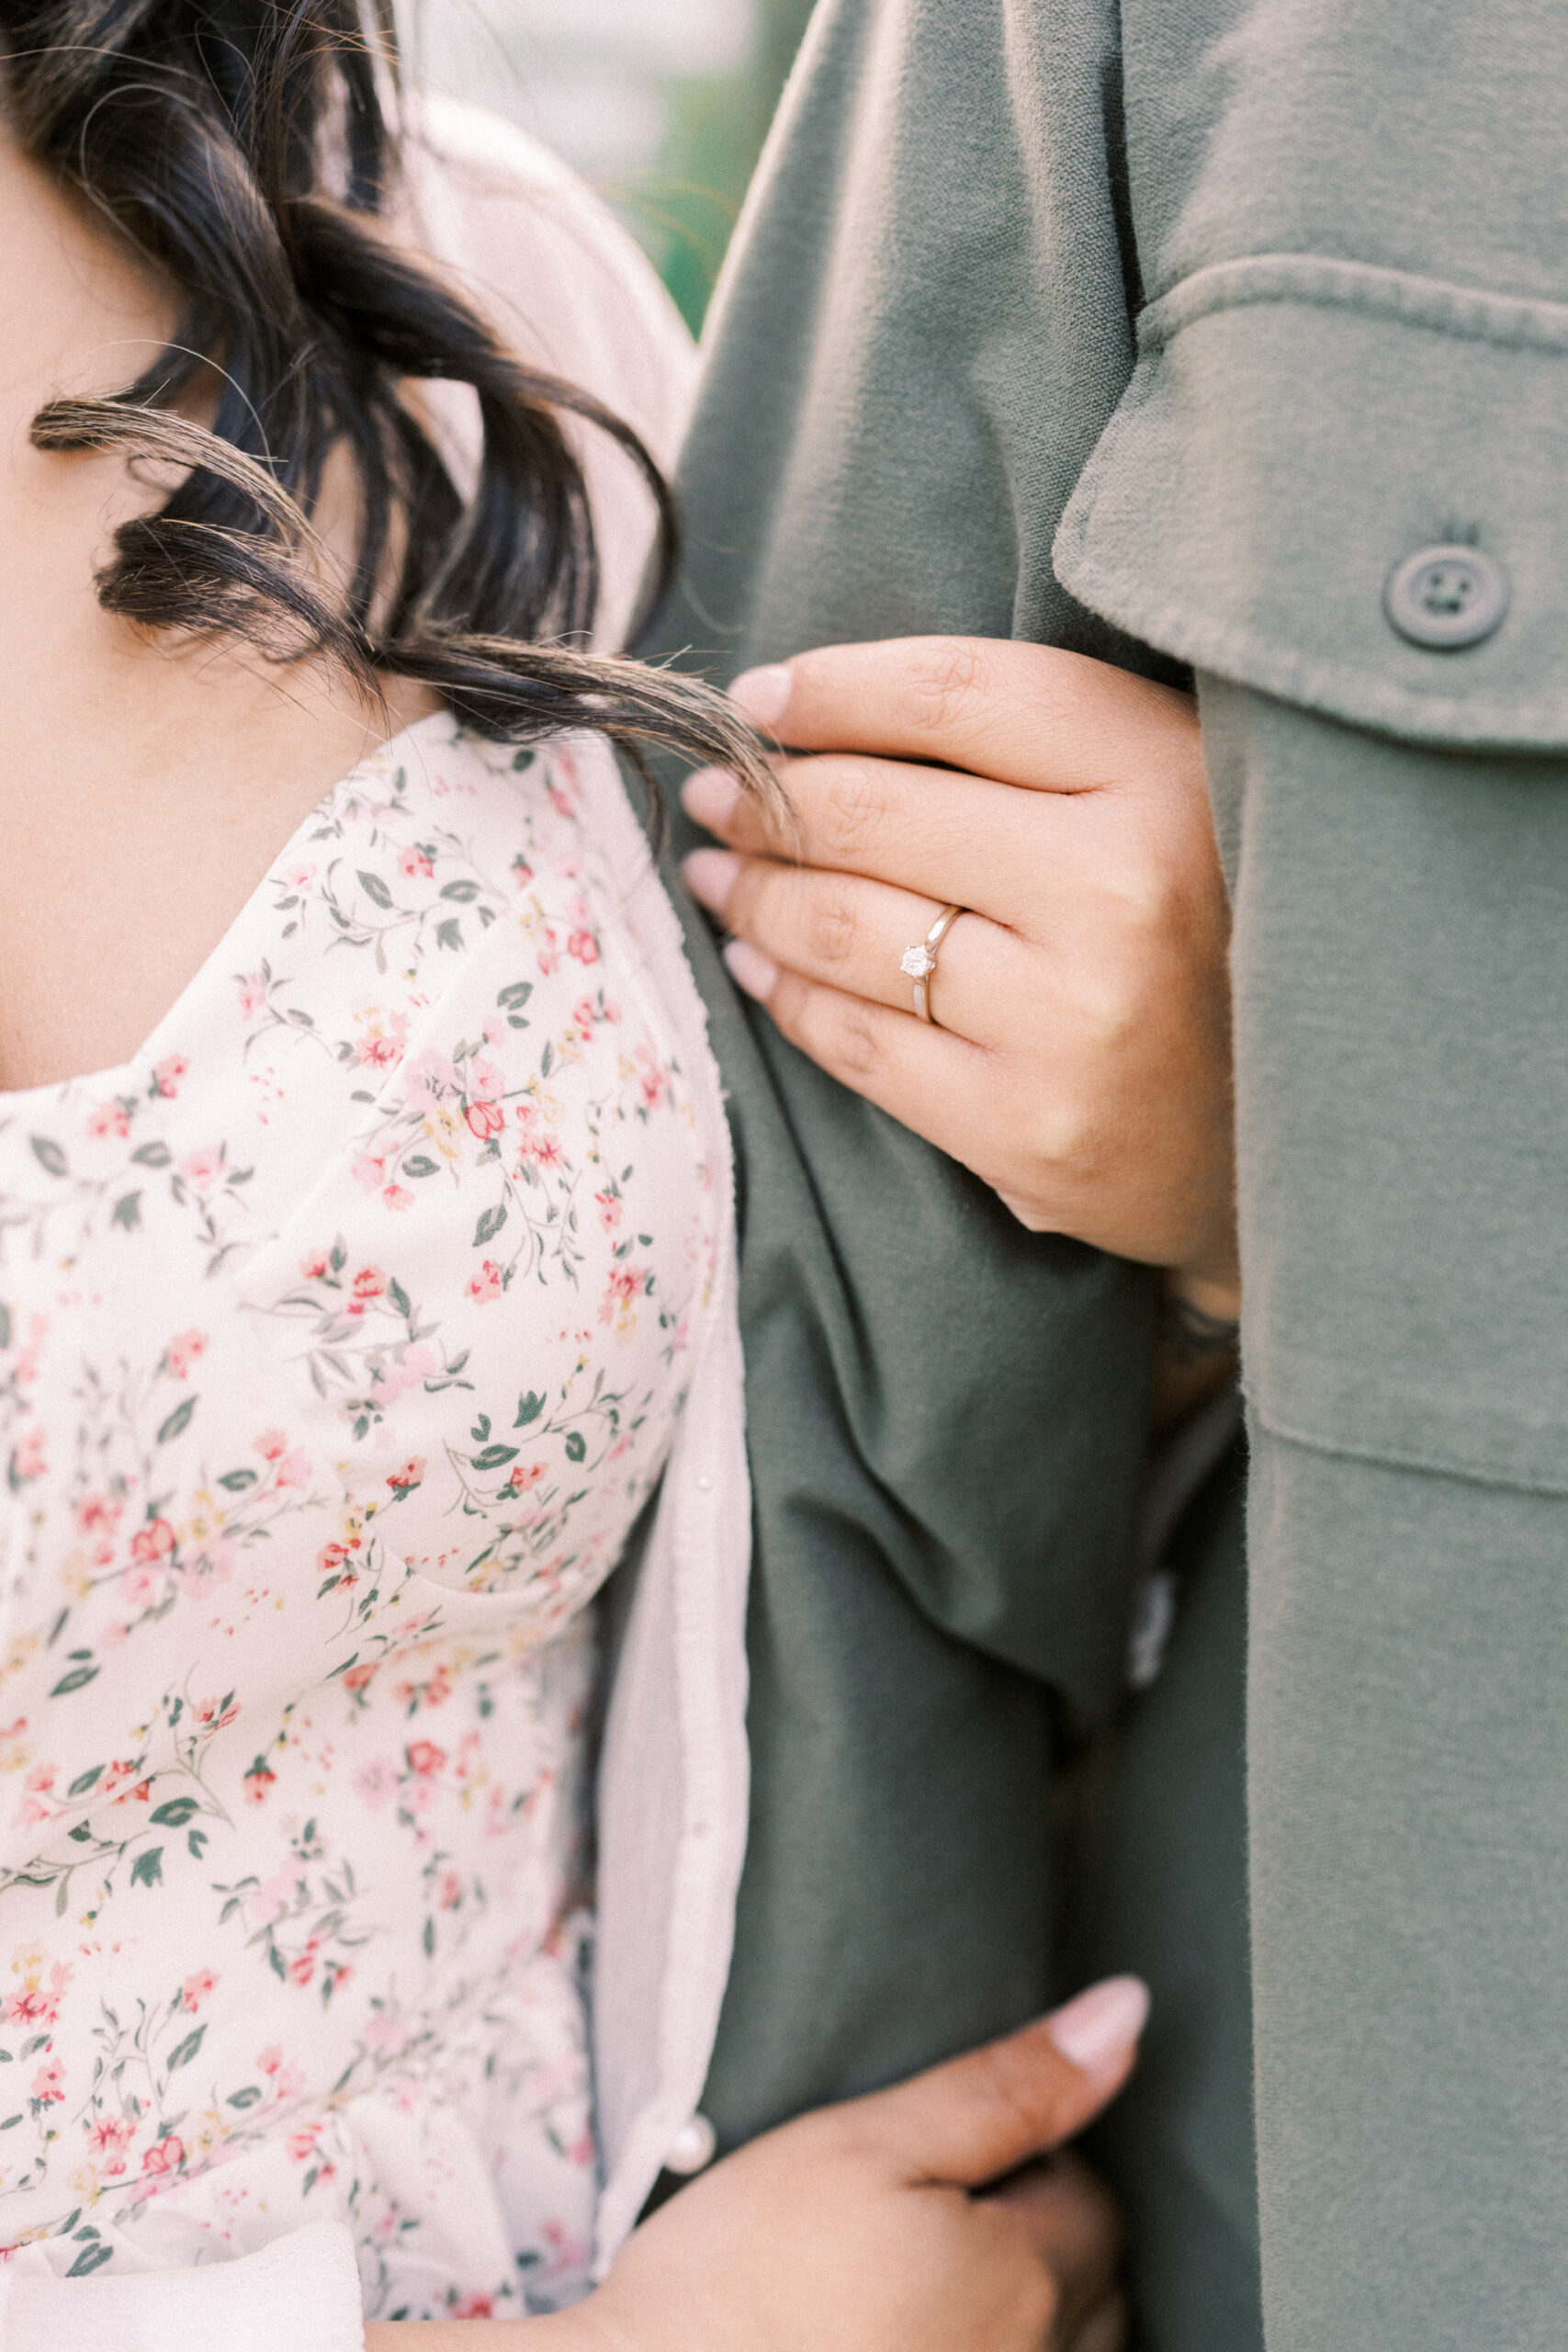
point(917, 963)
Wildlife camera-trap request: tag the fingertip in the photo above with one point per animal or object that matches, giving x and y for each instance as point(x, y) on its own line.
point(1099, 2030)
point(763, 695)
point(709, 875)
point(708, 797)
point(751, 969)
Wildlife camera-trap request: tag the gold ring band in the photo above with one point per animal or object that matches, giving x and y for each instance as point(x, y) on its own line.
point(918, 964)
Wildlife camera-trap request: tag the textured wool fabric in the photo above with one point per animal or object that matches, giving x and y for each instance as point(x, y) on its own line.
point(1351, 225)
point(1410, 1859)
point(1353, 220)
point(946, 1413)
point(925, 328)
point(1161, 1889)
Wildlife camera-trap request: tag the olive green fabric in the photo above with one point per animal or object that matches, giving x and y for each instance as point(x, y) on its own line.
point(946, 1414)
point(1352, 220)
point(924, 328)
point(1161, 1889)
point(899, 1901)
point(1350, 224)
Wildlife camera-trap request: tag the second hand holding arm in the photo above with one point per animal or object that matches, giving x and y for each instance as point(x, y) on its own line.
point(920, 2219)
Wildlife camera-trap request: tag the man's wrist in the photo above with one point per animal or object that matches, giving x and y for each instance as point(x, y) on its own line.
point(1195, 1355)
point(1198, 1319)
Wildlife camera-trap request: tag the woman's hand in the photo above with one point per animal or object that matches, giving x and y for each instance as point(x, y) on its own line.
point(1080, 1063)
point(875, 2226)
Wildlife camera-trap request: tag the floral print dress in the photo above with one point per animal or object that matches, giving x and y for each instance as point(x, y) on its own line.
point(344, 1336)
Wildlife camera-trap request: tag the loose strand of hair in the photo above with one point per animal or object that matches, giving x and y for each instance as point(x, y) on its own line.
point(199, 128)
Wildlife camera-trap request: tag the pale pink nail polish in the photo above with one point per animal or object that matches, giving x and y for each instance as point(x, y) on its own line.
point(1095, 2032)
point(708, 795)
point(751, 969)
point(763, 694)
point(709, 875)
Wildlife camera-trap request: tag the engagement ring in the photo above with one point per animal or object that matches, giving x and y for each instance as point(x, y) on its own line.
point(918, 963)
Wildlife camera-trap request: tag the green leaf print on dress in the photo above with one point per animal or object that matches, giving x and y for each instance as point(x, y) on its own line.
point(344, 1335)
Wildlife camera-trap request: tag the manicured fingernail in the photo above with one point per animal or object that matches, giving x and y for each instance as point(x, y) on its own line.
point(709, 875)
point(751, 969)
point(763, 694)
point(1100, 2026)
point(708, 796)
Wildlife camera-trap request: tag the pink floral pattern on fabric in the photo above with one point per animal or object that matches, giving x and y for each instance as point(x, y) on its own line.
point(343, 1337)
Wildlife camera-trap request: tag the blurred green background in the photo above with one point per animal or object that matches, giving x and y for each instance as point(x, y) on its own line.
point(663, 105)
point(718, 125)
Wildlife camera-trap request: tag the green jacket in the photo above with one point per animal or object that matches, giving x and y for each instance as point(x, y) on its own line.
point(946, 1414)
point(1228, 336)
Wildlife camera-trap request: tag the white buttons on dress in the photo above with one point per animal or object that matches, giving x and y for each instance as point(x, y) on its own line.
point(693, 2149)
point(1445, 598)
point(705, 1485)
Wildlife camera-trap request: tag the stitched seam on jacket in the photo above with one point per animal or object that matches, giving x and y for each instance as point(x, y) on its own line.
point(1395, 1457)
point(1467, 313)
point(1357, 698)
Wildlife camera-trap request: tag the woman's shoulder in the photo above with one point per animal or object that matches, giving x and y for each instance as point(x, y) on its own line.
point(571, 291)
point(551, 250)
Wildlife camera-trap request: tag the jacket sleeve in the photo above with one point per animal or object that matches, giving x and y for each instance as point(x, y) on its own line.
point(920, 335)
point(946, 1414)
point(1335, 485)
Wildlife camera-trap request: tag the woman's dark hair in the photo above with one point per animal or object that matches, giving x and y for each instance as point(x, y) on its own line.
point(244, 148)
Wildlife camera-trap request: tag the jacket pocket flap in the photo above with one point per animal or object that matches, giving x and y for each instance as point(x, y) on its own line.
point(1347, 487)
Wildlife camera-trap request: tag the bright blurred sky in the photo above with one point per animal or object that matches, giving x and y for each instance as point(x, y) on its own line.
point(593, 77)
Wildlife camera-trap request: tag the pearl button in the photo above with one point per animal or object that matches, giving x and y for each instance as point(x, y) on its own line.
point(1444, 598)
point(705, 1485)
point(693, 2149)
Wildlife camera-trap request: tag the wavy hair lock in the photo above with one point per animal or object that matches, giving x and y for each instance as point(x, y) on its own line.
point(242, 148)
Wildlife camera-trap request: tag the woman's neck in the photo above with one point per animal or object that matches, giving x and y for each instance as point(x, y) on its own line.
point(78, 311)
point(144, 785)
